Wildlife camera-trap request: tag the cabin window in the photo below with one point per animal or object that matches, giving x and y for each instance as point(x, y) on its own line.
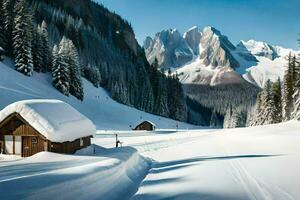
point(81, 142)
point(34, 140)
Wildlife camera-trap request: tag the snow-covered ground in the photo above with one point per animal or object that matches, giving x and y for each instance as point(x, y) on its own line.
point(247, 163)
point(259, 163)
point(94, 173)
point(106, 113)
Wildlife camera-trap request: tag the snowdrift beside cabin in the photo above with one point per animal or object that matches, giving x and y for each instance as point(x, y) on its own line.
point(56, 120)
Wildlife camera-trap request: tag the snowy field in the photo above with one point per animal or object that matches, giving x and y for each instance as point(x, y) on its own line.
point(233, 164)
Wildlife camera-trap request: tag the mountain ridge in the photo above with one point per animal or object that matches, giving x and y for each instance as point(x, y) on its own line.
point(251, 59)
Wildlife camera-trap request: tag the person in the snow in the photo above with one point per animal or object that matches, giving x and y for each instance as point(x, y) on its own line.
point(118, 142)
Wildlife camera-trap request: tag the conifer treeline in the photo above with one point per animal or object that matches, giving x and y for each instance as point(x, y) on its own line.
point(31, 50)
point(280, 101)
point(55, 37)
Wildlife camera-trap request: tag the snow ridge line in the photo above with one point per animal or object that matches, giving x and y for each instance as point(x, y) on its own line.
point(50, 172)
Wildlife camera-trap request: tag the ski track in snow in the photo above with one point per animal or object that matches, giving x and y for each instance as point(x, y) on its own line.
point(255, 188)
point(20, 92)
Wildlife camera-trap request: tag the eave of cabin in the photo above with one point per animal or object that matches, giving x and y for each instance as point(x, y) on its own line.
point(6, 120)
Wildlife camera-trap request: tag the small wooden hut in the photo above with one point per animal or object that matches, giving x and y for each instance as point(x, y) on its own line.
point(31, 126)
point(145, 126)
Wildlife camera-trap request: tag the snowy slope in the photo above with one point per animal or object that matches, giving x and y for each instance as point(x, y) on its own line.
point(233, 164)
point(197, 73)
point(271, 62)
point(97, 105)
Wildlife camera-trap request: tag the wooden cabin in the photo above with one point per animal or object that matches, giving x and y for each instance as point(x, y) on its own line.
point(145, 126)
point(32, 126)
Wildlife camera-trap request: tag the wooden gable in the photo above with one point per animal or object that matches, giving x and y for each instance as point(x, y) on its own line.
point(16, 125)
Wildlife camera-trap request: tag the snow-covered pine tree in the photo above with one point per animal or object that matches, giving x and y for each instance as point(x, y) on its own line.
point(9, 17)
point(60, 69)
point(268, 105)
point(296, 96)
point(288, 90)
point(228, 118)
point(276, 91)
point(55, 52)
point(22, 40)
point(234, 117)
point(76, 85)
point(45, 49)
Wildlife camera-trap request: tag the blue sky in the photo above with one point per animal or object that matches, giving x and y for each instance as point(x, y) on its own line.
point(273, 21)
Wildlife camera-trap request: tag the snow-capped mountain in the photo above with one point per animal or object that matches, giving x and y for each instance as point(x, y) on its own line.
point(215, 60)
point(169, 48)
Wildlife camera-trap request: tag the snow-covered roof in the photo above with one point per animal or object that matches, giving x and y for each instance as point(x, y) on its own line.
point(148, 122)
point(54, 119)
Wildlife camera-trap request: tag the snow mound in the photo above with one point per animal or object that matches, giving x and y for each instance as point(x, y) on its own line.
point(56, 120)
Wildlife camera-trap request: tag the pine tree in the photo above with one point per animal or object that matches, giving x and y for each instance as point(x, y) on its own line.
point(161, 101)
point(76, 86)
point(23, 39)
point(60, 69)
point(37, 51)
point(9, 17)
point(288, 90)
point(277, 98)
point(176, 99)
point(269, 112)
point(55, 53)
point(296, 96)
point(257, 116)
point(45, 49)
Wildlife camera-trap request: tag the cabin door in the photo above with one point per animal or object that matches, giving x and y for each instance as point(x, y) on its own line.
point(31, 145)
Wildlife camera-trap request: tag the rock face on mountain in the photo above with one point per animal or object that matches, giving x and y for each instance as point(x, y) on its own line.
point(173, 50)
point(211, 59)
point(192, 38)
point(169, 48)
point(215, 49)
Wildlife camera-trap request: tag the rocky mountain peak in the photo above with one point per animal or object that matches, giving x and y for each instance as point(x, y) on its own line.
point(169, 48)
point(148, 42)
point(216, 49)
point(192, 38)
